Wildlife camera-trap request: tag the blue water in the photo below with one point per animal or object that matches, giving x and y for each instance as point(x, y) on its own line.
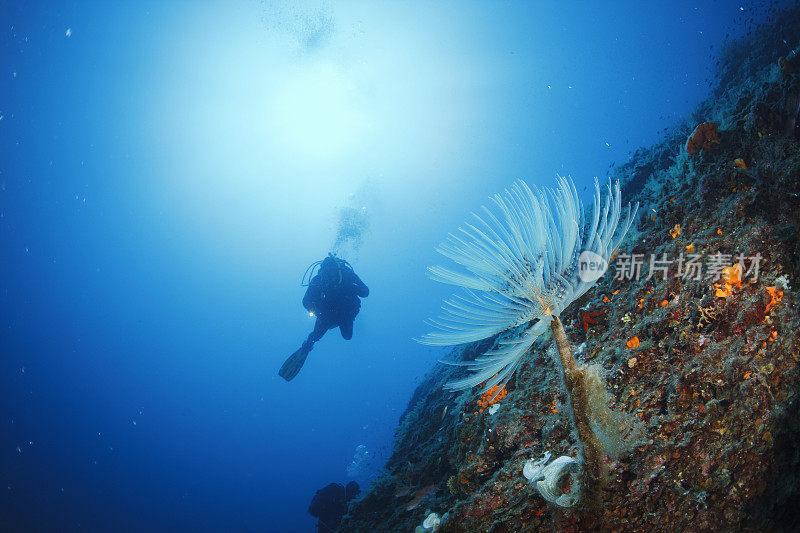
point(169, 169)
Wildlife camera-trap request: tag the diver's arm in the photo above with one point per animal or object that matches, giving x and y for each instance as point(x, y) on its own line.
point(312, 296)
point(361, 289)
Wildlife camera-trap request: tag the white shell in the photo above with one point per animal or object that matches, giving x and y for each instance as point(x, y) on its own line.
point(493, 409)
point(553, 474)
point(532, 469)
point(432, 522)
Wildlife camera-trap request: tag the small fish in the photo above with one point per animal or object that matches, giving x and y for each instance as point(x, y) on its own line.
point(402, 491)
point(420, 495)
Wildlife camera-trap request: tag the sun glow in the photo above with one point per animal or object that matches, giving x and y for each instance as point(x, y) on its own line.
point(313, 111)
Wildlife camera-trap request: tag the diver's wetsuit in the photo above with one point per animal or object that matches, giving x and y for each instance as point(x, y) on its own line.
point(333, 296)
point(330, 505)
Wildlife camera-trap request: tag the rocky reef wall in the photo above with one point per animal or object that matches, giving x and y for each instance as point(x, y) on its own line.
point(701, 363)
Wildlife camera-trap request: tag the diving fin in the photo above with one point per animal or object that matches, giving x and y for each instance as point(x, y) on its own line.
point(291, 367)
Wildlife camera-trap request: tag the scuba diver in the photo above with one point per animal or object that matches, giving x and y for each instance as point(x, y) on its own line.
point(329, 505)
point(333, 298)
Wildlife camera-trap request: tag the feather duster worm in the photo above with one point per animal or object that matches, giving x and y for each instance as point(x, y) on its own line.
point(522, 270)
point(523, 264)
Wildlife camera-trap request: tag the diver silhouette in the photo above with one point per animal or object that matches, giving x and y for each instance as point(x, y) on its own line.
point(333, 297)
point(329, 505)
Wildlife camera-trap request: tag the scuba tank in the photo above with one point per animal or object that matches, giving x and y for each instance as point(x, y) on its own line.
point(313, 269)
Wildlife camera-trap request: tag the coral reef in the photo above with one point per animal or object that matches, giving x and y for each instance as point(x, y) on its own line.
point(703, 138)
point(491, 398)
point(704, 402)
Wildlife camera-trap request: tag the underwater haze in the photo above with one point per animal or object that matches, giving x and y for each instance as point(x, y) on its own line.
point(168, 171)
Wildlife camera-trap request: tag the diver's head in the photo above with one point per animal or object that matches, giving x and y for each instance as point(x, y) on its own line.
point(351, 490)
point(329, 263)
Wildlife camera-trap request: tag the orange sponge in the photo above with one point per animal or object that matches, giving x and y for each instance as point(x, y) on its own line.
point(702, 138)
